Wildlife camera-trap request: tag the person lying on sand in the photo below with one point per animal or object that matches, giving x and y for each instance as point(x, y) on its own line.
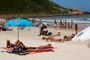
point(46, 33)
point(51, 34)
point(17, 43)
point(56, 34)
point(52, 39)
point(68, 37)
point(46, 48)
point(19, 46)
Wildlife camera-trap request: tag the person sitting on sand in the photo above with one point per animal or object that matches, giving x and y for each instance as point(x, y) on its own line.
point(52, 39)
point(68, 37)
point(42, 28)
point(45, 32)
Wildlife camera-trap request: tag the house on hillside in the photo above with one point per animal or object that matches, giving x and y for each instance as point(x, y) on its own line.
point(75, 12)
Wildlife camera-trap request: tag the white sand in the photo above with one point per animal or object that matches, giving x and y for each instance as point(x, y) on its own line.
point(64, 51)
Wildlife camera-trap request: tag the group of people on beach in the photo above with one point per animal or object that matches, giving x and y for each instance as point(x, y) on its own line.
point(51, 37)
point(20, 48)
point(63, 24)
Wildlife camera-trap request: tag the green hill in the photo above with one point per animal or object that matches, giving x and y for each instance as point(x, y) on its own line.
point(30, 7)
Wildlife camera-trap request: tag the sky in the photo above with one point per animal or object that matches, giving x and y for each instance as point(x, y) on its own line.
point(83, 5)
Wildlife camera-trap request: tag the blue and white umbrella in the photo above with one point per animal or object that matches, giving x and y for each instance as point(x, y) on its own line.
point(19, 22)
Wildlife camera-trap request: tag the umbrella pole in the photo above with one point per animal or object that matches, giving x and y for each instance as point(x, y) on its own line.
point(18, 34)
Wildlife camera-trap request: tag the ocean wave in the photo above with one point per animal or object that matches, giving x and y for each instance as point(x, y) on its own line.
point(76, 19)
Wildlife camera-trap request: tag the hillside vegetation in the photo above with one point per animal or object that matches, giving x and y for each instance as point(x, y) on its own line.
point(30, 7)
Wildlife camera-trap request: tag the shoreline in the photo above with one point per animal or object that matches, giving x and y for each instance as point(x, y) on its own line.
point(46, 15)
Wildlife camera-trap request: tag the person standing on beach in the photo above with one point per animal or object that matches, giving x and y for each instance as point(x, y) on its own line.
point(71, 23)
point(76, 28)
point(55, 24)
point(68, 25)
point(33, 22)
point(65, 24)
point(61, 24)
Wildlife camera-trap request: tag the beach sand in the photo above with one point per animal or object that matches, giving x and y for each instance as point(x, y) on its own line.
point(64, 51)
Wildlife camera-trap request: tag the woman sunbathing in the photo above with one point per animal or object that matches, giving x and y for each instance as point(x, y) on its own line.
point(56, 34)
point(45, 48)
point(21, 47)
point(17, 43)
point(45, 32)
point(68, 37)
point(52, 39)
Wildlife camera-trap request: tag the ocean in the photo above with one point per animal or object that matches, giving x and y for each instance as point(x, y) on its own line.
point(76, 19)
point(82, 21)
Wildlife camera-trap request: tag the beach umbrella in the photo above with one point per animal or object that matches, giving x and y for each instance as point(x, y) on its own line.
point(83, 35)
point(19, 22)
